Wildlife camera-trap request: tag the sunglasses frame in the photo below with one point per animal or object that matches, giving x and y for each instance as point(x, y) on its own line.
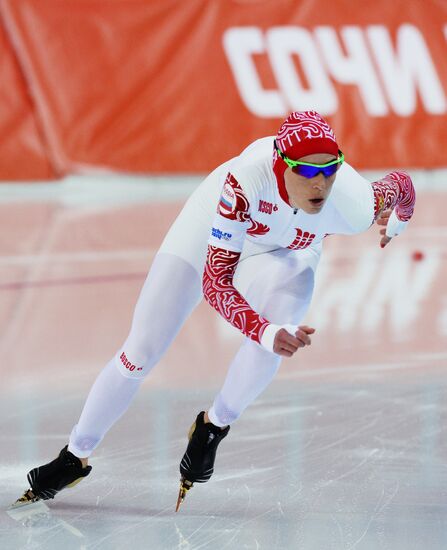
point(294, 163)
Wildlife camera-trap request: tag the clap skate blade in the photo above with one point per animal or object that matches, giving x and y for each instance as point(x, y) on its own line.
point(27, 498)
point(185, 486)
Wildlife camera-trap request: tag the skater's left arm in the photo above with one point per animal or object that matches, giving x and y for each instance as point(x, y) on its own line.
point(394, 200)
point(389, 202)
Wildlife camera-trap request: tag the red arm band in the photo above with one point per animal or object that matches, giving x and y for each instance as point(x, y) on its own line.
point(395, 190)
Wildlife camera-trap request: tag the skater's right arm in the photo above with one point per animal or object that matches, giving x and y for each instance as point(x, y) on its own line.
point(224, 250)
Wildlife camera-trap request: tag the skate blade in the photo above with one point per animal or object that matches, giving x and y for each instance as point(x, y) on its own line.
point(25, 500)
point(185, 486)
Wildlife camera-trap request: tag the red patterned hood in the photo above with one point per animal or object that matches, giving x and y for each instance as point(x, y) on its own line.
point(302, 133)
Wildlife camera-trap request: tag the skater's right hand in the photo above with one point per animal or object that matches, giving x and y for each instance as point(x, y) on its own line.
point(287, 344)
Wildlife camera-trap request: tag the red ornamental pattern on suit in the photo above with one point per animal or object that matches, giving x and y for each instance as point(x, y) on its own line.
point(220, 293)
point(257, 228)
point(395, 190)
point(240, 211)
point(302, 240)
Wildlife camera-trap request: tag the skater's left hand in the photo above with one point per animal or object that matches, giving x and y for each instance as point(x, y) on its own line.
point(383, 220)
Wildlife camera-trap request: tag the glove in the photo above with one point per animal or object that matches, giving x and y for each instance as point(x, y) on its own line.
point(394, 226)
point(268, 336)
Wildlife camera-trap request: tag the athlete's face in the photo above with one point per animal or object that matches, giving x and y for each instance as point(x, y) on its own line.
point(309, 194)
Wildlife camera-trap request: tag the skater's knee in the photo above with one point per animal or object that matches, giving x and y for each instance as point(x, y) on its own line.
point(132, 366)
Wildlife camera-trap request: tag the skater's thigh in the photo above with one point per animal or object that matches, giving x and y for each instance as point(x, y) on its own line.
point(172, 284)
point(279, 284)
point(170, 293)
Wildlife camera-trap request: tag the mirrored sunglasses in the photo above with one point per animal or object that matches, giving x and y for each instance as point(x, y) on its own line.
point(309, 170)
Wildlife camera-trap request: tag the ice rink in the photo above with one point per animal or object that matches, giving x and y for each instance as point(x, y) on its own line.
point(345, 450)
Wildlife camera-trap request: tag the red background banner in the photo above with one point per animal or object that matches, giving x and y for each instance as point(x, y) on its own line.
point(23, 153)
point(180, 87)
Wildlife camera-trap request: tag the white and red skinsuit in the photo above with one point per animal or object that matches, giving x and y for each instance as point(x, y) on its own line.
point(239, 243)
point(254, 215)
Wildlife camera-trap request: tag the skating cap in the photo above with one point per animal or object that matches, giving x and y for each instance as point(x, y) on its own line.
point(302, 133)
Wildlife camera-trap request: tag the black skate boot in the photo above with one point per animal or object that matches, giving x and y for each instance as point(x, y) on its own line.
point(46, 481)
point(197, 464)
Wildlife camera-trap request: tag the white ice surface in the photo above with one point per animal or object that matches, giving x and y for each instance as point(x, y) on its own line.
point(329, 458)
point(316, 464)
